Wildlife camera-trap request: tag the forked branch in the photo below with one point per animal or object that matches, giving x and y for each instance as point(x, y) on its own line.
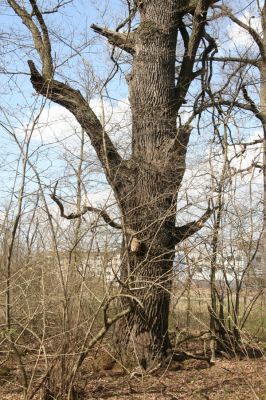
point(191, 47)
point(40, 35)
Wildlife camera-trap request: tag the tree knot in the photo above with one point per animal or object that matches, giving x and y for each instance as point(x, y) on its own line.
point(135, 245)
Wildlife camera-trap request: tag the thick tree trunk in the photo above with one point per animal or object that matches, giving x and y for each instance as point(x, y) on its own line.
point(149, 208)
point(157, 165)
point(148, 275)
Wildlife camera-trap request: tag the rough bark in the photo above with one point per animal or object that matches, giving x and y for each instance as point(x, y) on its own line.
point(158, 157)
point(150, 206)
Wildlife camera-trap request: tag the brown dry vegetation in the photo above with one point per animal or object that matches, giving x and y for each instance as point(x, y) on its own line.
point(103, 377)
point(193, 379)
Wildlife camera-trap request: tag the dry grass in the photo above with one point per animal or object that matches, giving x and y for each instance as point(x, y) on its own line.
point(227, 380)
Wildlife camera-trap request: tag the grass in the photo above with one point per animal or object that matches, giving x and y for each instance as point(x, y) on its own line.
point(199, 314)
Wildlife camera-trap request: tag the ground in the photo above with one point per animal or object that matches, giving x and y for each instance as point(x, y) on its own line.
point(227, 380)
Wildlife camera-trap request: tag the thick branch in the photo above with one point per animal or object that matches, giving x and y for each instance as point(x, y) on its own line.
point(183, 232)
point(181, 145)
point(74, 102)
point(184, 34)
point(45, 33)
point(41, 40)
point(186, 73)
point(199, 22)
point(253, 106)
point(122, 40)
point(63, 94)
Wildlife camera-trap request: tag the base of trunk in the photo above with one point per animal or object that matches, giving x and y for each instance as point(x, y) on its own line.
point(135, 347)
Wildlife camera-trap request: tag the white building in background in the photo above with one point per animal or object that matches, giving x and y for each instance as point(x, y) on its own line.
point(103, 265)
point(232, 262)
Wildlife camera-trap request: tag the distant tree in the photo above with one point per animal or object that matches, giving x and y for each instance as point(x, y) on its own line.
point(245, 87)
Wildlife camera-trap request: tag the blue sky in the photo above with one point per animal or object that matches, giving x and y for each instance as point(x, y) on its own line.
point(18, 99)
point(73, 26)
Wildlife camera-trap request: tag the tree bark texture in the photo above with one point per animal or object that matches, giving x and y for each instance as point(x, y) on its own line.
point(158, 159)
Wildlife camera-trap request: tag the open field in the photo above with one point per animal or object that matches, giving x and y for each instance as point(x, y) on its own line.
point(195, 312)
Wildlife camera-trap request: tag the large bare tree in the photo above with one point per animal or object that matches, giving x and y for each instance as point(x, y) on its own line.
point(146, 185)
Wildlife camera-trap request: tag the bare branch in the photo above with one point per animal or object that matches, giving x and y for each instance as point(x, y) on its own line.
point(183, 232)
point(74, 102)
point(55, 9)
point(128, 20)
point(122, 40)
point(247, 169)
point(258, 40)
point(257, 141)
point(225, 102)
point(102, 213)
point(241, 60)
point(41, 40)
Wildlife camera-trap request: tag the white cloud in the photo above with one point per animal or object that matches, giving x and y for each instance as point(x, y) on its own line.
point(198, 186)
point(56, 124)
point(239, 36)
